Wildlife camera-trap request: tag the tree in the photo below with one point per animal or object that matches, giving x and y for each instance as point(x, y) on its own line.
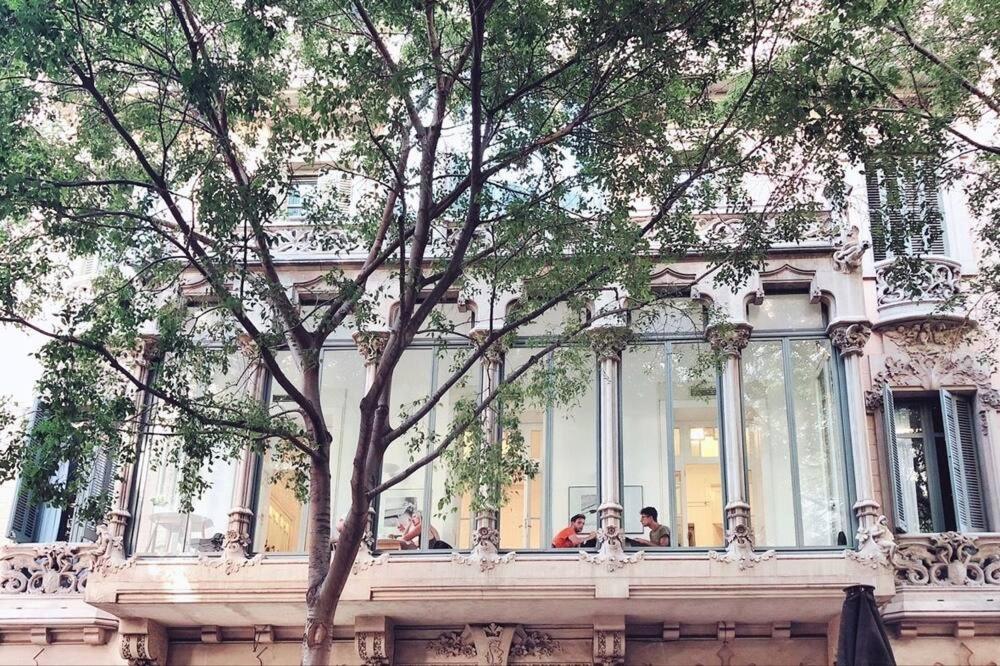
point(556, 148)
point(919, 80)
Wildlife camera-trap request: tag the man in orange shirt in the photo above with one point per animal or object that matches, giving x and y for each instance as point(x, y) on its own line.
point(572, 535)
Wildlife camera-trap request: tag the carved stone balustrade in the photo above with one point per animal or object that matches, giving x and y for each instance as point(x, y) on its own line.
point(919, 296)
point(52, 568)
point(948, 558)
point(822, 231)
point(291, 241)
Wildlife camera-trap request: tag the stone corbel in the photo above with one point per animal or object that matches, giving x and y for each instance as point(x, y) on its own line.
point(739, 539)
point(235, 545)
point(612, 553)
point(374, 640)
point(143, 642)
point(485, 548)
point(609, 641)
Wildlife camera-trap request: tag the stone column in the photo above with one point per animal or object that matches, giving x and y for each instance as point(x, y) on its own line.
point(608, 342)
point(875, 542)
point(111, 535)
point(486, 535)
point(236, 545)
point(729, 341)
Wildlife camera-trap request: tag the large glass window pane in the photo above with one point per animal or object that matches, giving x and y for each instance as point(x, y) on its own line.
point(281, 518)
point(817, 433)
point(768, 446)
point(401, 507)
point(786, 312)
point(342, 385)
point(521, 516)
point(670, 316)
point(451, 520)
point(645, 441)
point(698, 507)
point(572, 472)
point(162, 526)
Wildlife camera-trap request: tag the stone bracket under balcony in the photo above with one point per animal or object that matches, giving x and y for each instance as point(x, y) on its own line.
point(922, 296)
point(792, 587)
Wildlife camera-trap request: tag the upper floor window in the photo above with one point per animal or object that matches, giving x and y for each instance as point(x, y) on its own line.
point(301, 192)
point(933, 455)
point(903, 207)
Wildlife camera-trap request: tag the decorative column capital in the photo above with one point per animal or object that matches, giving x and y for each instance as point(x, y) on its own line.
point(608, 342)
point(495, 352)
point(850, 337)
point(610, 535)
point(729, 339)
point(485, 545)
point(143, 642)
point(371, 344)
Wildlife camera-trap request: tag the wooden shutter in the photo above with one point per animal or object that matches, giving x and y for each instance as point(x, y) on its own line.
point(903, 198)
point(896, 474)
point(100, 482)
point(27, 513)
point(963, 462)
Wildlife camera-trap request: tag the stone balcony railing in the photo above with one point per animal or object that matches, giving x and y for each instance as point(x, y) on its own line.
point(920, 296)
point(947, 559)
point(47, 568)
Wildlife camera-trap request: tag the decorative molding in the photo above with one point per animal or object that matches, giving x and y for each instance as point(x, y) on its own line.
point(609, 642)
point(533, 644)
point(453, 644)
point(371, 344)
point(230, 565)
point(611, 554)
point(143, 643)
point(929, 358)
point(850, 338)
point(739, 539)
point(485, 550)
point(365, 560)
point(608, 342)
point(374, 640)
point(949, 558)
point(849, 254)
point(729, 340)
point(303, 239)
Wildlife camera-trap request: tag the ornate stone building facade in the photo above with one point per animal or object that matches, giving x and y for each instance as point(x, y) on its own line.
point(846, 438)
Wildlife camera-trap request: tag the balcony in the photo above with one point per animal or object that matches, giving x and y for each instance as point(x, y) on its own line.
point(939, 279)
point(946, 583)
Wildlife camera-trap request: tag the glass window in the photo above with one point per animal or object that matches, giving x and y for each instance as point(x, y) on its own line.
point(553, 321)
point(670, 316)
point(670, 443)
point(786, 312)
point(342, 385)
point(936, 481)
point(300, 195)
point(563, 440)
point(162, 527)
point(794, 455)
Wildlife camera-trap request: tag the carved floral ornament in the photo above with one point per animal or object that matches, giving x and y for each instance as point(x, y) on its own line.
point(58, 568)
point(608, 342)
point(948, 559)
point(371, 344)
point(729, 340)
point(851, 338)
point(493, 644)
point(849, 254)
point(929, 356)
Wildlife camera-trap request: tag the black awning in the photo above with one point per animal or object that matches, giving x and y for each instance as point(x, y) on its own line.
point(863, 641)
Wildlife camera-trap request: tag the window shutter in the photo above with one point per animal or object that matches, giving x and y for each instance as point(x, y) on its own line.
point(895, 470)
point(100, 482)
point(27, 513)
point(903, 197)
point(963, 463)
point(875, 212)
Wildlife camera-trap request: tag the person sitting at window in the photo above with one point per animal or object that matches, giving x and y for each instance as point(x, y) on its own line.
point(659, 535)
point(572, 535)
point(410, 530)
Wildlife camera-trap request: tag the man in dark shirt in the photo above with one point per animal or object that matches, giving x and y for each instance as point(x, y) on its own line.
point(659, 535)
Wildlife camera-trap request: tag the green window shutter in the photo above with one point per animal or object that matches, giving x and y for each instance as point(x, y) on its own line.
point(27, 513)
point(876, 214)
point(896, 474)
point(903, 198)
point(101, 481)
point(963, 462)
